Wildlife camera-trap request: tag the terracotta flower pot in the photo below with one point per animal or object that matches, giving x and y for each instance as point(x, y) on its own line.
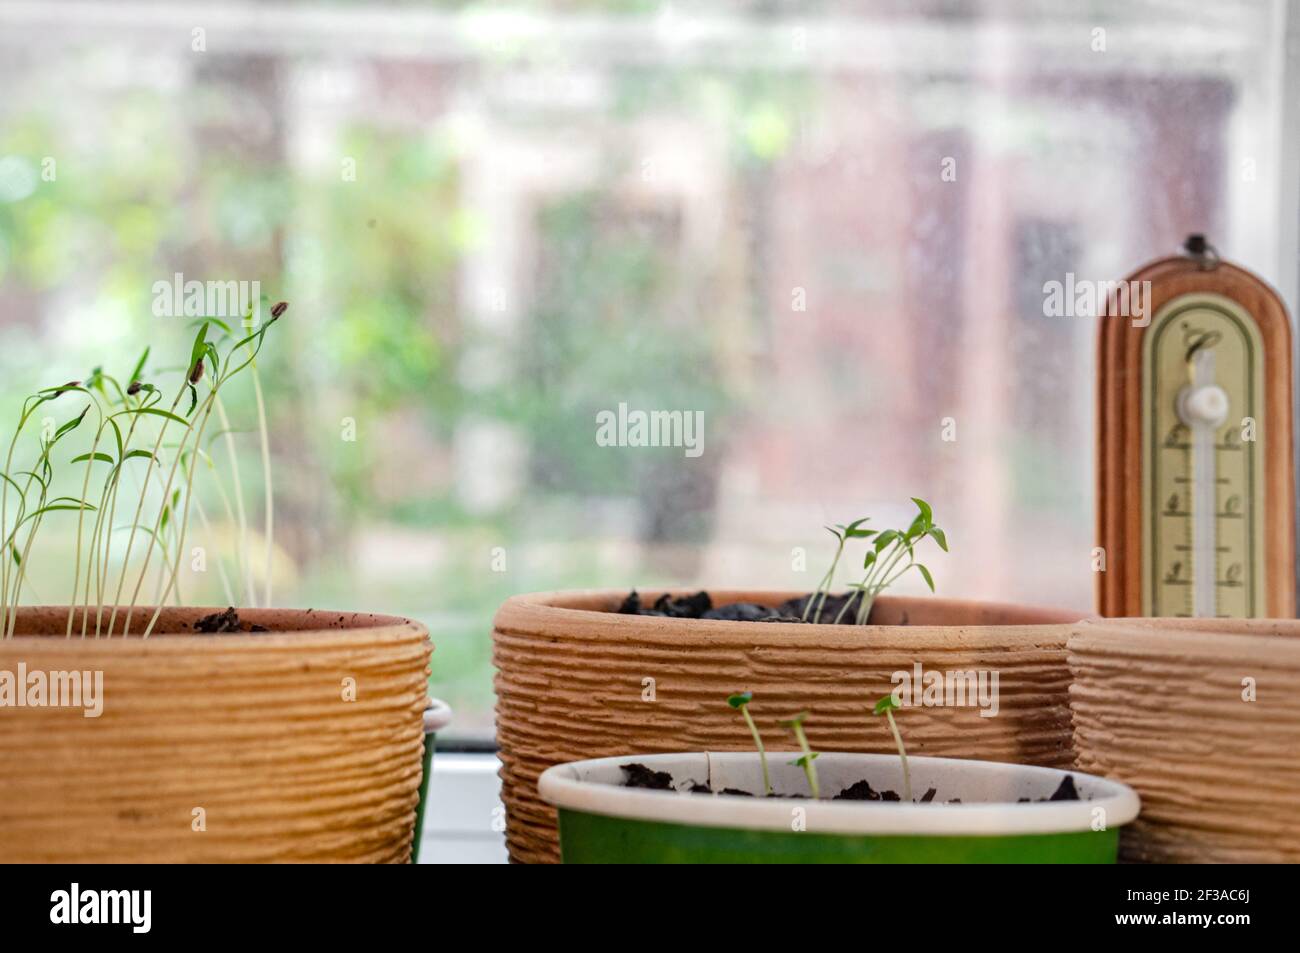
point(1160, 704)
point(216, 748)
point(576, 681)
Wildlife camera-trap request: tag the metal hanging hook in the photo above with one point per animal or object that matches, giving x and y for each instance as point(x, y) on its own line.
point(1202, 252)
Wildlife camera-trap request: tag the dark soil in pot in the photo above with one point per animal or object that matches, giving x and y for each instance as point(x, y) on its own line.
point(227, 621)
point(700, 606)
point(639, 776)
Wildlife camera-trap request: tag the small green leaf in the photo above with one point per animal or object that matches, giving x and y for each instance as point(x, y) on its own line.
point(98, 456)
point(870, 559)
point(228, 430)
point(200, 340)
point(939, 537)
point(740, 699)
point(215, 359)
point(76, 503)
point(803, 760)
point(156, 413)
point(927, 514)
point(885, 704)
point(77, 506)
point(71, 425)
point(217, 321)
point(117, 436)
point(34, 475)
point(885, 538)
point(929, 580)
point(139, 367)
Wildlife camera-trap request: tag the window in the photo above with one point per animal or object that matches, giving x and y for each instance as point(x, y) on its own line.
point(826, 227)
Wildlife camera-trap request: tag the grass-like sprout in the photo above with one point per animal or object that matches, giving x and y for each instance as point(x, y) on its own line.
point(842, 535)
point(886, 707)
point(243, 560)
point(203, 349)
point(740, 701)
point(42, 474)
point(119, 413)
point(795, 724)
point(888, 550)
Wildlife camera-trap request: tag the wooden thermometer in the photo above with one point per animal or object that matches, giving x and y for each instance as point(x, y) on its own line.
point(1195, 506)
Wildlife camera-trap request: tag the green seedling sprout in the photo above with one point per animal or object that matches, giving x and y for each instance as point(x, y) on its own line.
point(886, 707)
point(795, 724)
point(888, 549)
point(220, 375)
point(740, 701)
point(119, 413)
point(41, 473)
point(842, 535)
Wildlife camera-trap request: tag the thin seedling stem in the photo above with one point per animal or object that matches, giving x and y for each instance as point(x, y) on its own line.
point(243, 569)
point(207, 529)
point(902, 756)
point(81, 516)
point(758, 743)
point(130, 542)
point(809, 769)
point(185, 519)
point(167, 490)
point(269, 488)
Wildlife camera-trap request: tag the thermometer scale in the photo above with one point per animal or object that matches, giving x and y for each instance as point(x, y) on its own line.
point(1195, 505)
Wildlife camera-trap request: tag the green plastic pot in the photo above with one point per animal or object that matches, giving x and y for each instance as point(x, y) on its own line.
point(437, 714)
point(603, 822)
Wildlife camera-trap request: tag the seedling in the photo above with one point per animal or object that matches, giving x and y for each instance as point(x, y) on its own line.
point(842, 535)
point(795, 724)
point(740, 701)
point(123, 412)
point(886, 707)
point(882, 563)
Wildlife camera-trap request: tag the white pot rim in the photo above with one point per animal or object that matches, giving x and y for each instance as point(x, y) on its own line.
point(592, 787)
point(437, 715)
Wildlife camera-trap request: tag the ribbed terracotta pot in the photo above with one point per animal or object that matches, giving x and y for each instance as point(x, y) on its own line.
point(218, 748)
point(576, 680)
point(1159, 704)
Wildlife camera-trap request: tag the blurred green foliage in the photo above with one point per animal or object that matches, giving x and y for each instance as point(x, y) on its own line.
point(149, 182)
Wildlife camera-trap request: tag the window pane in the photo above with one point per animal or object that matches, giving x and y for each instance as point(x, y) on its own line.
point(826, 228)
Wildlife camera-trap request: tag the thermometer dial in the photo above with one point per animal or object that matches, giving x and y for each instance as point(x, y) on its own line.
point(1202, 480)
point(1195, 500)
